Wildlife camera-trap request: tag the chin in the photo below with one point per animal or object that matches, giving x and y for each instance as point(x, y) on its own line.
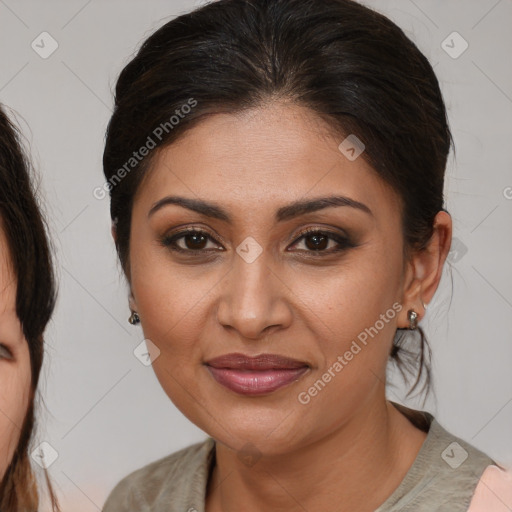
point(269, 433)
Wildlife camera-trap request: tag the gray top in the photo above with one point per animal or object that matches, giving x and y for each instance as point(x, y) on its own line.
point(442, 478)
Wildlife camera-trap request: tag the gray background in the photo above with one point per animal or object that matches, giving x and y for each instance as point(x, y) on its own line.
point(105, 413)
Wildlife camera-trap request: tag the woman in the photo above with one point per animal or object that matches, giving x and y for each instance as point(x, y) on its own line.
point(27, 300)
point(276, 173)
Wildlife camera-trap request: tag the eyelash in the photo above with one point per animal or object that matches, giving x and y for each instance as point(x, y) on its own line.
point(169, 241)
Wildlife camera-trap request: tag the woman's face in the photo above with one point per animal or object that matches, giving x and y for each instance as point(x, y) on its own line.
point(15, 374)
point(252, 283)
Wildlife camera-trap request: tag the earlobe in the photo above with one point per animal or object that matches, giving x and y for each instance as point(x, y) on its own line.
point(134, 318)
point(131, 302)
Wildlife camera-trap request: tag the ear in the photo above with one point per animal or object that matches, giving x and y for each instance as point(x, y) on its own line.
point(425, 268)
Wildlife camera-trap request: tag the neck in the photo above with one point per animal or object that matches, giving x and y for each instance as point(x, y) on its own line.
point(355, 467)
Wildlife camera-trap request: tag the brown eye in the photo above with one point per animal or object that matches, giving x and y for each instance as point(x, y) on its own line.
point(323, 242)
point(190, 241)
point(194, 241)
point(316, 242)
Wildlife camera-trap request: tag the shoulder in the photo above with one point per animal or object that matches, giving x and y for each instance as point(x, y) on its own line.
point(183, 474)
point(444, 474)
point(456, 467)
point(494, 491)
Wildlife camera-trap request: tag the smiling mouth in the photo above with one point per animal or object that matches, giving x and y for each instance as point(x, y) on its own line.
point(263, 374)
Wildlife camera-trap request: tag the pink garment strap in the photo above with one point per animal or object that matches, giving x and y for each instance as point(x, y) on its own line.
point(493, 492)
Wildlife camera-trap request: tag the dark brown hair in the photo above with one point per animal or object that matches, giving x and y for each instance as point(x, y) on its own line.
point(350, 65)
point(30, 254)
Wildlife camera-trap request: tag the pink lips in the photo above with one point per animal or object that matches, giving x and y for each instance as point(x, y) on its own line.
point(255, 375)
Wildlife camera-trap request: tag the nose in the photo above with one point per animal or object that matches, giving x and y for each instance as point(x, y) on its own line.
point(254, 299)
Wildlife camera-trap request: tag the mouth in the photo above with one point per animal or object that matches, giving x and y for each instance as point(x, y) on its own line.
point(257, 375)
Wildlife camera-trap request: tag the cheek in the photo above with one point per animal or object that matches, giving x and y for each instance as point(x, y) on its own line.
point(14, 396)
point(175, 307)
point(346, 301)
point(171, 306)
point(171, 299)
point(338, 303)
point(358, 308)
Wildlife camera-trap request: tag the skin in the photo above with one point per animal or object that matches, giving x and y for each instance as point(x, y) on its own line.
point(15, 376)
point(348, 448)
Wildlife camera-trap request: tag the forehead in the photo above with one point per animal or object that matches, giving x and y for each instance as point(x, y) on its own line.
point(261, 157)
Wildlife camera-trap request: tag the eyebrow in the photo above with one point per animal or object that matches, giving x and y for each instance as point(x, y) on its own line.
point(284, 213)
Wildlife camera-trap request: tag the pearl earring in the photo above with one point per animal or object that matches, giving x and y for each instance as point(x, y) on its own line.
point(134, 318)
point(413, 318)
